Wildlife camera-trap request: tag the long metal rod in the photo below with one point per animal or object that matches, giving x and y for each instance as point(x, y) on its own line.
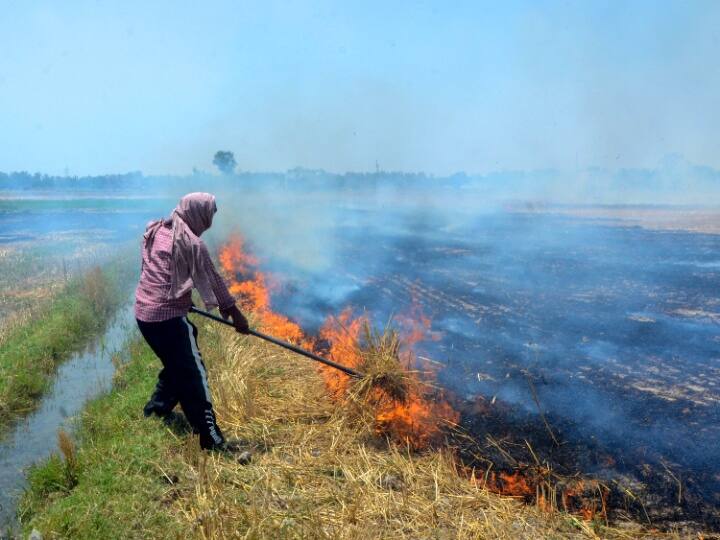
point(284, 344)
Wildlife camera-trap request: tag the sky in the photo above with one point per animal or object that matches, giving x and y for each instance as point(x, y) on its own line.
point(108, 87)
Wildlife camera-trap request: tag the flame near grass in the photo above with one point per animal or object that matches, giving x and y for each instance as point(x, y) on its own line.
point(316, 474)
point(396, 398)
point(392, 399)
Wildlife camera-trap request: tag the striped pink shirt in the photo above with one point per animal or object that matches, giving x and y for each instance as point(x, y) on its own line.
point(151, 296)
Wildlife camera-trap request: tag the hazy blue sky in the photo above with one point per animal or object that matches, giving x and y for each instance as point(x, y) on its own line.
point(159, 86)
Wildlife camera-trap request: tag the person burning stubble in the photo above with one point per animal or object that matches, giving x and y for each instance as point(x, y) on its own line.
point(174, 261)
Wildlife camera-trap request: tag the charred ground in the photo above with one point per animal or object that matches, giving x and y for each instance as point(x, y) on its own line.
point(610, 332)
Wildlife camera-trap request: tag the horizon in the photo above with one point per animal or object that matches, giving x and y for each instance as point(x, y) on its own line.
point(88, 88)
point(667, 161)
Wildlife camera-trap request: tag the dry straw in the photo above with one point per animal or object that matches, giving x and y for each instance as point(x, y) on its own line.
point(317, 472)
point(380, 363)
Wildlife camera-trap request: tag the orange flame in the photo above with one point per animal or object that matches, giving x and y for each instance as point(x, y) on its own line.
point(418, 421)
point(342, 333)
point(588, 498)
point(251, 288)
point(515, 484)
point(415, 324)
point(585, 498)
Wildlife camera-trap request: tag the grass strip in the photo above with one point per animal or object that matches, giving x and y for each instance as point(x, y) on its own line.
point(30, 352)
point(111, 485)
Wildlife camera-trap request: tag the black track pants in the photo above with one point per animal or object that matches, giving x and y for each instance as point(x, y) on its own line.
point(183, 378)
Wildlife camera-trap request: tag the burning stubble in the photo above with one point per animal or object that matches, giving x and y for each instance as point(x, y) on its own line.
point(616, 318)
point(391, 399)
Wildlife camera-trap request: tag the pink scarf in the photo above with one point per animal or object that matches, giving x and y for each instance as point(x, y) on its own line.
point(191, 217)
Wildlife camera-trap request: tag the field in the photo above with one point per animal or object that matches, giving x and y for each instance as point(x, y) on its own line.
point(31, 351)
point(574, 350)
point(54, 295)
point(61, 285)
point(48, 238)
point(594, 342)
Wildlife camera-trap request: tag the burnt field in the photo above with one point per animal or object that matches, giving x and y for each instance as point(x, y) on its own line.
point(571, 347)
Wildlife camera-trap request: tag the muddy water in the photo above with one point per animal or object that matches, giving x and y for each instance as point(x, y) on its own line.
point(80, 378)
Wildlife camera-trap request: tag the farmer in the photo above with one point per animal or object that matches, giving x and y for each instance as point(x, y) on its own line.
point(174, 260)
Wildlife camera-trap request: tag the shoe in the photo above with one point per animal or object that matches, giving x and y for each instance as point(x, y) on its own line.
point(151, 409)
point(177, 423)
point(236, 448)
point(226, 446)
point(159, 404)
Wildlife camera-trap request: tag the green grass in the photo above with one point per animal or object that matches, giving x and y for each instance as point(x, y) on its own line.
point(113, 485)
point(30, 352)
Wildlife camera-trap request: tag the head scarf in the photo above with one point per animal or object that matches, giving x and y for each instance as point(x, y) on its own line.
point(191, 217)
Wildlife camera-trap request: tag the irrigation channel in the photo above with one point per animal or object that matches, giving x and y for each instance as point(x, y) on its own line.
point(82, 377)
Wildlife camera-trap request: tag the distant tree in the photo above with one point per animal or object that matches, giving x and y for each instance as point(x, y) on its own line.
point(224, 160)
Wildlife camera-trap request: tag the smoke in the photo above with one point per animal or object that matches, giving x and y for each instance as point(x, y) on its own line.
point(494, 260)
point(604, 314)
point(584, 308)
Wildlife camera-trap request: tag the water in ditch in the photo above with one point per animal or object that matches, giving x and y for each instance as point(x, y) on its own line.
point(82, 377)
